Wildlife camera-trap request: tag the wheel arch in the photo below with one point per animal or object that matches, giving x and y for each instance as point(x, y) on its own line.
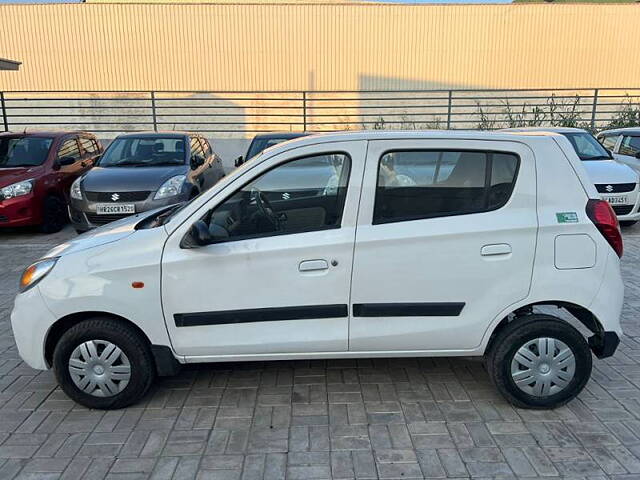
point(582, 314)
point(65, 323)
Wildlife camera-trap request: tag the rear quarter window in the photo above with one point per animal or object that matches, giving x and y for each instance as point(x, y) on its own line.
point(422, 184)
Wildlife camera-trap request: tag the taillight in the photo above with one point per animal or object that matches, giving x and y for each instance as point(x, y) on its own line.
point(605, 220)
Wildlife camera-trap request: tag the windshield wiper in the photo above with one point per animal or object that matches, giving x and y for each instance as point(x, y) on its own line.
point(596, 157)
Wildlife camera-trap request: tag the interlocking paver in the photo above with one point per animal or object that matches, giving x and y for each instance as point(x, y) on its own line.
point(339, 419)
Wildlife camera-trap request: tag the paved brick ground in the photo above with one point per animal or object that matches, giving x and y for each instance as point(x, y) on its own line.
point(403, 418)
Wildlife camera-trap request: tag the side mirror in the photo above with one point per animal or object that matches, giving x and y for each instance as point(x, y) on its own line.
point(196, 162)
point(637, 155)
point(199, 235)
point(239, 161)
point(66, 161)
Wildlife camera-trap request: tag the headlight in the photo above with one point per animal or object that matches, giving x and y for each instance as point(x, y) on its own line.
point(75, 192)
point(36, 272)
point(171, 187)
point(17, 189)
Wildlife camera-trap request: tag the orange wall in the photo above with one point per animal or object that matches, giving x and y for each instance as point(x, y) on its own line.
point(320, 47)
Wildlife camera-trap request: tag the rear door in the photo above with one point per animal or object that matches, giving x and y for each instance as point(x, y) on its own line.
point(445, 240)
point(90, 152)
point(69, 148)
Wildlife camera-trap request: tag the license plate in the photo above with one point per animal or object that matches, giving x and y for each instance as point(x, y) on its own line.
point(616, 200)
point(115, 208)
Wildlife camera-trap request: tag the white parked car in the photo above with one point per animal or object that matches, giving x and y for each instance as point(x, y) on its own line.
point(617, 183)
point(419, 244)
point(624, 143)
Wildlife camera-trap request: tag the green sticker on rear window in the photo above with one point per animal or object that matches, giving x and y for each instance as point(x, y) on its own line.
point(567, 217)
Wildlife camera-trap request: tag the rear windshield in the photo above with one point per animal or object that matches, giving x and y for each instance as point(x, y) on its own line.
point(144, 152)
point(587, 147)
point(24, 151)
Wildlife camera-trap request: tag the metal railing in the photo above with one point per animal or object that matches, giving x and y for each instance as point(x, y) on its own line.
point(241, 113)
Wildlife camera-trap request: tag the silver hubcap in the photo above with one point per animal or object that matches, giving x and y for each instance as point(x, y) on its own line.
point(543, 367)
point(99, 368)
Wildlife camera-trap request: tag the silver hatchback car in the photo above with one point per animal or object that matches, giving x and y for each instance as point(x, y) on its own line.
point(140, 172)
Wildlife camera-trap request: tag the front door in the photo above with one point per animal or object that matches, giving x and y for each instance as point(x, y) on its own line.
point(276, 277)
point(446, 240)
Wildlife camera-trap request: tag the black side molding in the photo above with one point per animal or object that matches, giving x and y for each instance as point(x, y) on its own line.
point(166, 363)
point(306, 312)
point(434, 309)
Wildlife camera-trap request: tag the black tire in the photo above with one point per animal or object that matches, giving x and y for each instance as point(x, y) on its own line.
point(628, 223)
point(135, 348)
point(514, 336)
point(54, 215)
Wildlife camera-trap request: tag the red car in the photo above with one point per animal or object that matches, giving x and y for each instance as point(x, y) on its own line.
point(36, 172)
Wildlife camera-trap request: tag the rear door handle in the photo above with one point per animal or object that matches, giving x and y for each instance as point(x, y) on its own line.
point(313, 265)
point(495, 249)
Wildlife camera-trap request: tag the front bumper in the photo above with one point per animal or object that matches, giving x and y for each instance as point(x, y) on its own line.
point(629, 211)
point(30, 321)
point(19, 211)
point(84, 217)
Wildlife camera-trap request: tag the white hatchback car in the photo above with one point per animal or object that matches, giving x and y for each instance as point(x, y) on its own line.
point(398, 244)
point(617, 183)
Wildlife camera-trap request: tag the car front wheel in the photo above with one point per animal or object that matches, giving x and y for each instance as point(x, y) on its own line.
point(103, 363)
point(539, 361)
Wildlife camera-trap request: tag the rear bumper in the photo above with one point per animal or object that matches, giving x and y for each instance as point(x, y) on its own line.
point(19, 211)
point(604, 344)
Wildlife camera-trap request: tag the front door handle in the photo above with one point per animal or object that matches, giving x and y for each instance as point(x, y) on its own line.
point(495, 249)
point(313, 265)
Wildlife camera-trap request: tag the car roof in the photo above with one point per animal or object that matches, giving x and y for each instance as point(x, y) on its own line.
point(163, 134)
point(316, 138)
point(287, 135)
point(44, 133)
point(630, 130)
point(545, 129)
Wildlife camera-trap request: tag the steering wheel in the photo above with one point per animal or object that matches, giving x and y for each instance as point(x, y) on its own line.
point(265, 209)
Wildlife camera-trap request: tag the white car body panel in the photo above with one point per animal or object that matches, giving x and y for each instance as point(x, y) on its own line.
point(429, 260)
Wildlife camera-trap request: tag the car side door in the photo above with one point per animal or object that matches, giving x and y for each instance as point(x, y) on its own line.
point(446, 239)
point(69, 162)
point(197, 163)
point(629, 151)
point(274, 278)
point(90, 152)
point(215, 171)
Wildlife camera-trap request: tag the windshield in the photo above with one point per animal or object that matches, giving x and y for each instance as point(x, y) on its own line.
point(24, 151)
point(144, 152)
point(587, 147)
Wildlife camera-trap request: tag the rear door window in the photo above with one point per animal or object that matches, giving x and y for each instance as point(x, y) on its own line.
point(196, 147)
point(89, 145)
point(69, 148)
point(421, 184)
point(630, 146)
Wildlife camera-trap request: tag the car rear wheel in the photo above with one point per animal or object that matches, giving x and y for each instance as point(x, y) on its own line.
point(103, 363)
point(54, 215)
point(539, 361)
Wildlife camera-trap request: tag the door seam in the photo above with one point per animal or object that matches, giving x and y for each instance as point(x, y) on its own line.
point(353, 252)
